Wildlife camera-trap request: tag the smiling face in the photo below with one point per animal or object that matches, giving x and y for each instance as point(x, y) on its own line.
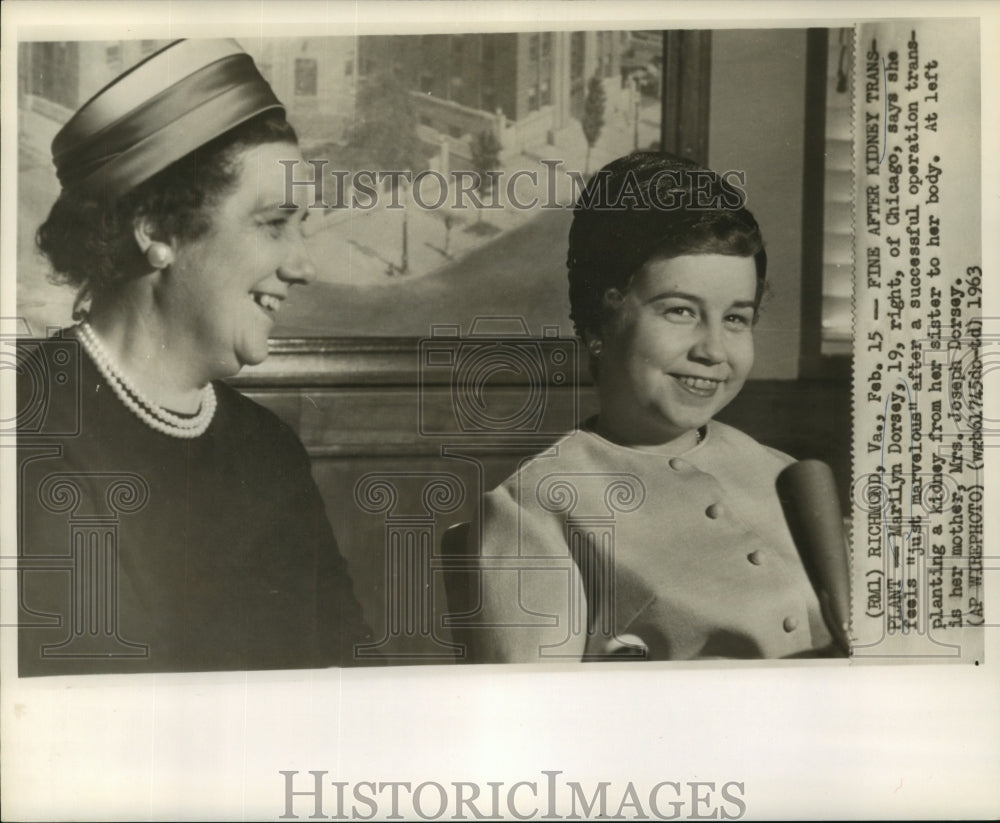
point(224, 289)
point(678, 349)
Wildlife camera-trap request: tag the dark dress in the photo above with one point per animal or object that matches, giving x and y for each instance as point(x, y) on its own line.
point(143, 552)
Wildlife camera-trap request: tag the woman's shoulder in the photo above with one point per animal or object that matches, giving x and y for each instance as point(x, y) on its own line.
point(247, 419)
point(575, 450)
point(580, 458)
point(741, 444)
point(583, 452)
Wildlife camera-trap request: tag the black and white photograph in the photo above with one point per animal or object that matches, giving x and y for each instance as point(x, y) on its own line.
point(562, 410)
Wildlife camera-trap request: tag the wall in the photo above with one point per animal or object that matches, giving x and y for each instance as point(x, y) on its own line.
point(757, 118)
point(324, 117)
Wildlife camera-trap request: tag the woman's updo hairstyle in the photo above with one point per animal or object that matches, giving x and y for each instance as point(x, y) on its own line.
point(651, 206)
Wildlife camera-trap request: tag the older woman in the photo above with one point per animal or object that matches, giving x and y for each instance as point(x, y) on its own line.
point(653, 530)
point(167, 522)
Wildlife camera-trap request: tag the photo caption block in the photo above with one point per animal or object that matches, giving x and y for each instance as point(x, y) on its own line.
point(918, 340)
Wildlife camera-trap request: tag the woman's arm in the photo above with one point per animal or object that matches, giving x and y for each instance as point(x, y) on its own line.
point(533, 607)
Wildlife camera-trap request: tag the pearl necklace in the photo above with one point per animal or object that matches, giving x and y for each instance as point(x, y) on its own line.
point(153, 415)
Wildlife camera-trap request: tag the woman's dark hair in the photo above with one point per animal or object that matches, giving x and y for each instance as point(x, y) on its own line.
point(651, 206)
point(90, 241)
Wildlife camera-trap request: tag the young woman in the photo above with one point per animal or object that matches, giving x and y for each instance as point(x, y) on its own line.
point(653, 530)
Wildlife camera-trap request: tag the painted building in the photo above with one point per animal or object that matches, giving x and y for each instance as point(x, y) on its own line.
point(525, 86)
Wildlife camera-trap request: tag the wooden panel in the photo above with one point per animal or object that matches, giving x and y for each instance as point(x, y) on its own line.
point(392, 361)
point(304, 362)
point(406, 420)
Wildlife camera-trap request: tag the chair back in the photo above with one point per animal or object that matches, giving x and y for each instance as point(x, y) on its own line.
point(460, 571)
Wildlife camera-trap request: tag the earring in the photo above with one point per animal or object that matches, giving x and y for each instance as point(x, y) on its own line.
point(81, 307)
point(159, 255)
point(596, 347)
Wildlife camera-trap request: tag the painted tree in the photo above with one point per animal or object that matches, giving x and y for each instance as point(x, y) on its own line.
point(485, 158)
point(384, 134)
point(384, 138)
point(449, 221)
point(593, 115)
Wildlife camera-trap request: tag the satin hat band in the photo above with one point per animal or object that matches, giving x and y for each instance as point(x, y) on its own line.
point(161, 110)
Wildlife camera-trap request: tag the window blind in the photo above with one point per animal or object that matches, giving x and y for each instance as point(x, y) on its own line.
point(838, 198)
